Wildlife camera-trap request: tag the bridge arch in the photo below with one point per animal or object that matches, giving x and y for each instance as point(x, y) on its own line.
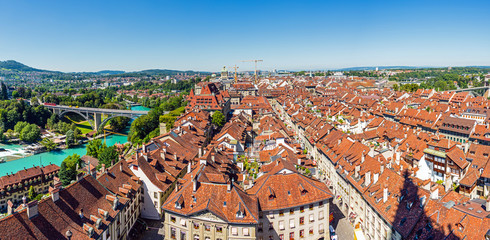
point(103, 123)
point(85, 116)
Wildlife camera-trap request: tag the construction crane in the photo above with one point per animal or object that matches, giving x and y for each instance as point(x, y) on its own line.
point(255, 72)
point(235, 67)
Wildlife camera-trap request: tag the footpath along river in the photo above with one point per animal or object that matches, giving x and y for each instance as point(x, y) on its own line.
point(55, 157)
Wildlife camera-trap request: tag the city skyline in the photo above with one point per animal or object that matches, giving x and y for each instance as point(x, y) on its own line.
point(93, 36)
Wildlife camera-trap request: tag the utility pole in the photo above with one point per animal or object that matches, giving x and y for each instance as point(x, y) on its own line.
point(255, 71)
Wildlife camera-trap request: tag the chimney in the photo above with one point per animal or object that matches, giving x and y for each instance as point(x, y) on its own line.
point(385, 193)
point(121, 166)
point(10, 207)
point(175, 156)
point(177, 186)
point(487, 205)
point(55, 193)
point(357, 168)
point(189, 167)
point(434, 192)
point(89, 171)
point(144, 148)
point(230, 185)
point(367, 178)
point(115, 203)
point(32, 210)
point(102, 169)
point(363, 158)
point(381, 168)
point(194, 184)
point(80, 213)
point(339, 141)
point(200, 152)
point(162, 153)
point(212, 157)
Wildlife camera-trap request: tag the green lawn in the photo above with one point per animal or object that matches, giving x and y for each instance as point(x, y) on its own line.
point(82, 125)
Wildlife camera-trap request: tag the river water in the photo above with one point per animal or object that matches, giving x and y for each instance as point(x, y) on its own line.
point(55, 157)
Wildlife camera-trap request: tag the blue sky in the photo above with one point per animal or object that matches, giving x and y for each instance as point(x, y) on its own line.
point(206, 35)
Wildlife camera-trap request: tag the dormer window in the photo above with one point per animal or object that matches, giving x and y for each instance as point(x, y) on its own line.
point(241, 212)
point(179, 202)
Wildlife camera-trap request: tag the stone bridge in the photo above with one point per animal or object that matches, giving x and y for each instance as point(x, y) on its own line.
point(95, 114)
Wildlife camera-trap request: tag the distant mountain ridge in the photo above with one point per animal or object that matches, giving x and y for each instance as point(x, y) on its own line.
point(17, 66)
point(13, 65)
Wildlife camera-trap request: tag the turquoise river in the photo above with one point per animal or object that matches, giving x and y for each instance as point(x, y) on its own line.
point(55, 157)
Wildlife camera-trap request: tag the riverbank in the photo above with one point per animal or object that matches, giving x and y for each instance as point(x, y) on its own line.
point(56, 157)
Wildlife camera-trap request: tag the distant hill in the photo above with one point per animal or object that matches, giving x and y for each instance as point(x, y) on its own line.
point(13, 65)
point(17, 66)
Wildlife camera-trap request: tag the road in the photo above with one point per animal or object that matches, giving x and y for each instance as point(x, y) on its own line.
point(342, 226)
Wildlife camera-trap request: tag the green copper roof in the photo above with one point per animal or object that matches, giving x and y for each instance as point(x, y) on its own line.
point(435, 152)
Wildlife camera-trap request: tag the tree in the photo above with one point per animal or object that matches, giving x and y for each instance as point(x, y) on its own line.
point(218, 119)
point(48, 144)
point(108, 155)
point(15, 94)
point(66, 174)
point(68, 169)
point(118, 123)
point(70, 138)
point(396, 87)
point(19, 126)
point(4, 93)
point(94, 147)
point(32, 193)
point(30, 133)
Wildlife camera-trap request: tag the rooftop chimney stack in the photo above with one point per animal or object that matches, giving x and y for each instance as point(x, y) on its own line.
point(55, 193)
point(367, 178)
point(102, 169)
point(32, 210)
point(200, 152)
point(194, 184)
point(189, 167)
point(487, 205)
point(10, 207)
point(230, 185)
point(385, 193)
point(212, 157)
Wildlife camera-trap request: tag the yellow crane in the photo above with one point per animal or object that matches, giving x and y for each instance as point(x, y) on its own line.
point(235, 67)
point(255, 71)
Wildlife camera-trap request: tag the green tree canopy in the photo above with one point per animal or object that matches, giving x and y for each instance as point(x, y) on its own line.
point(218, 119)
point(68, 169)
point(30, 133)
point(48, 144)
point(32, 193)
point(94, 147)
point(70, 137)
point(108, 155)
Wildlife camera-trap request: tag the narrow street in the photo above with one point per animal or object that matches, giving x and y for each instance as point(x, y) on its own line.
point(342, 226)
